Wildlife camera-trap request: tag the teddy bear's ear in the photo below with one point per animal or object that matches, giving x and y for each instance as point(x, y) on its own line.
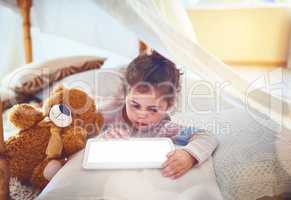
point(55, 97)
point(59, 88)
point(24, 116)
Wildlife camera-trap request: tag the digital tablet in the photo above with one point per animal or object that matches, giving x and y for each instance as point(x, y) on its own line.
point(129, 153)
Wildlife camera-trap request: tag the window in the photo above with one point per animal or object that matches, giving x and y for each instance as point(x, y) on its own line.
point(207, 2)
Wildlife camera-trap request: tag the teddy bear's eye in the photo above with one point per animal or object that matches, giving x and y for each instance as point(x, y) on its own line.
point(60, 115)
point(64, 109)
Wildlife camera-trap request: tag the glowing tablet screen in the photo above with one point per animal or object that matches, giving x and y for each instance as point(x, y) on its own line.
point(131, 153)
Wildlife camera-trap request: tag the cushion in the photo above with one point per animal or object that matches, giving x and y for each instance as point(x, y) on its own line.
point(252, 160)
point(31, 78)
point(104, 85)
point(6, 96)
point(9, 98)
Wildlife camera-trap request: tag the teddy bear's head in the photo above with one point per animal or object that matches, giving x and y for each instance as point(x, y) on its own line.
point(70, 114)
point(72, 108)
point(54, 132)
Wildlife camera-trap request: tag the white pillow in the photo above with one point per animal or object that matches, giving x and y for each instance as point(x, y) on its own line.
point(104, 85)
point(6, 94)
point(9, 97)
point(33, 77)
point(73, 182)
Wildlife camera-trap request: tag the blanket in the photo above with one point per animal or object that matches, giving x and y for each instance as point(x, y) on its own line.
point(73, 182)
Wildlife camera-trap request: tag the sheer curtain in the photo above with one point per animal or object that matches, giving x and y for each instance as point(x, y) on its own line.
point(149, 20)
point(84, 22)
point(55, 34)
point(11, 49)
point(141, 18)
point(174, 12)
point(152, 22)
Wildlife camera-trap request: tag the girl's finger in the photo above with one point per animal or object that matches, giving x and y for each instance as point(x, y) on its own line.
point(107, 135)
point(171, 169)
point(169, 161)
point(178, 174)
point(123, 133)
point(112, 134)
point(170, 154)
point(169, 173)
point(117, 134)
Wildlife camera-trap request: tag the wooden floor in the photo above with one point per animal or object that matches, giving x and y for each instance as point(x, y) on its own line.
point(271, 198)
point(276, 198)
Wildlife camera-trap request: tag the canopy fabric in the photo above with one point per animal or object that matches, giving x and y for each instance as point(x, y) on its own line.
point(176, 15)
point(10, 3)
point(11, 49)
point(152, 22)
point(164, 26)
point(142, 18)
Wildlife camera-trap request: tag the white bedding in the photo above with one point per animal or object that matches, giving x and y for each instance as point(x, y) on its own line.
point(248, 163)
point(73, 182)
point(251, 161)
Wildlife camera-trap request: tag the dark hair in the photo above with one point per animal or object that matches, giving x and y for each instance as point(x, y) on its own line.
point(157, 71)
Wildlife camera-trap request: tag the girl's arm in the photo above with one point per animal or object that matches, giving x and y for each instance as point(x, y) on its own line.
point(197, 147)
point(201, 146)
point(197, 142)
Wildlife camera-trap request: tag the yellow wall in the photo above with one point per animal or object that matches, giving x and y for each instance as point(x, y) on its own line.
point(245, 35)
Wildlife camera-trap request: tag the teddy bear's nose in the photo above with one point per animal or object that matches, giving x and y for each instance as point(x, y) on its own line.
point(64, 109)
point(60, 115)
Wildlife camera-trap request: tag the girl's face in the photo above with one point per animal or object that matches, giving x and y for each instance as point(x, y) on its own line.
point(145, 109)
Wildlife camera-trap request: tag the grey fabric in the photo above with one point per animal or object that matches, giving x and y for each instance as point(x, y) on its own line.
point(251, 161)
point(248, 163)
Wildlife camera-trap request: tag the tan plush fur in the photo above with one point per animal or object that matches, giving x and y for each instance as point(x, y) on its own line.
point(27, 151)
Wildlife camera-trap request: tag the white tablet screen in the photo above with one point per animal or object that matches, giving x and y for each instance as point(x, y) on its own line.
point(132, 153)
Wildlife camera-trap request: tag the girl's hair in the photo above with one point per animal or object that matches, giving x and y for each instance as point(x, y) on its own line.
point(147, 71)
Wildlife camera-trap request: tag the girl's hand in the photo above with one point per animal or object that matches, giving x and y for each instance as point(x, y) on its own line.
point(116, 133)
point(178, 163)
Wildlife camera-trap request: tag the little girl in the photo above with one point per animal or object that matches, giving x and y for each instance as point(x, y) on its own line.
point(153, 84)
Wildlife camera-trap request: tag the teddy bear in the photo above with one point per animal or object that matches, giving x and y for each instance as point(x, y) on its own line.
point(47, 137)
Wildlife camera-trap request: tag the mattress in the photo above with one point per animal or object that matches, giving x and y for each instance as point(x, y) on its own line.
point(198, 183)
point(252, 159)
